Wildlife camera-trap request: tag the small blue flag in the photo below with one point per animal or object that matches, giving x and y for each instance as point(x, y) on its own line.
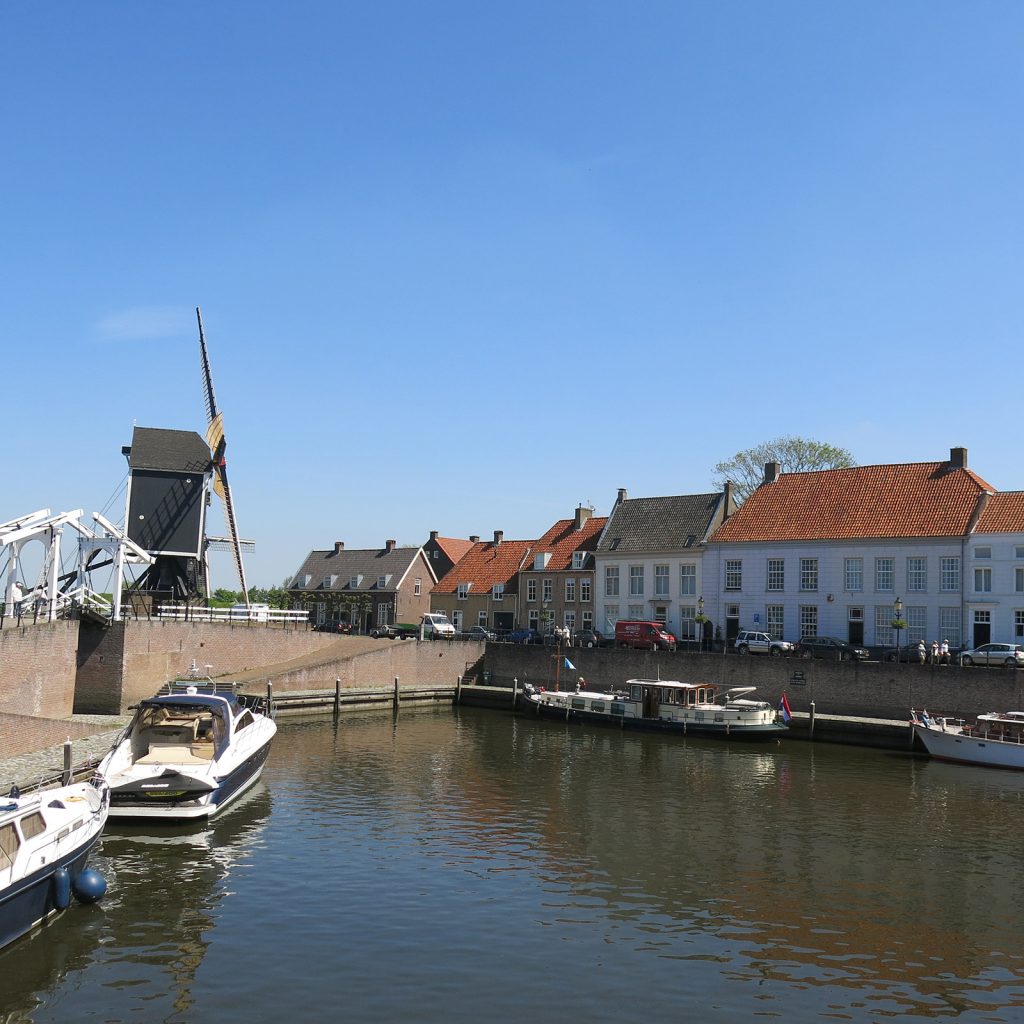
point(570, 665)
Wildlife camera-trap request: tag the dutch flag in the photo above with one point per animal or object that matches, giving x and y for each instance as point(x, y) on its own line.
point(787, 715)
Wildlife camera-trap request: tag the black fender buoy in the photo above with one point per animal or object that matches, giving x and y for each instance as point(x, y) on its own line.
point(61, 888)
point(90, 886)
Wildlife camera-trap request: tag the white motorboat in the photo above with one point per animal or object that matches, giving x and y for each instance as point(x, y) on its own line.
point(696, 708)
point(45, 839)
point(995, 740)
point(188, 754)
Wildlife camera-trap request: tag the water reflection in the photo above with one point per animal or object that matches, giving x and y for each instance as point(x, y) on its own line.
point(444, 865)
point(150, 933)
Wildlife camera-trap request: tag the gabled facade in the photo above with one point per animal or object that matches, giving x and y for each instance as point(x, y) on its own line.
point(829, 552)
point(481, 588)
point(364, 588)
point(444, 552)
point(556, 586)
point(994, 572)
point(649, 559)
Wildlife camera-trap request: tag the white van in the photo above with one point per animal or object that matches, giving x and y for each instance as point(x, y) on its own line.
point(435, 625)
point(254, 613)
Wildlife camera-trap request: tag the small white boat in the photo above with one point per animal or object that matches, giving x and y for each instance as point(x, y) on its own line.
point(665, 704)
point(45, 839)
point(187, 754)
point(995, 740)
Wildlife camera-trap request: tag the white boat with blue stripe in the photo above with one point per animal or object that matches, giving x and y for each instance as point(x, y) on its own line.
point(189, 753)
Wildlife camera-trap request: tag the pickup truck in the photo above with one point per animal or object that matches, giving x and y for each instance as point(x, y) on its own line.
point(396, 631)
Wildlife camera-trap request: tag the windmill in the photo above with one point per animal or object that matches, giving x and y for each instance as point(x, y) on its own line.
point(218, 445)
point(171, 473)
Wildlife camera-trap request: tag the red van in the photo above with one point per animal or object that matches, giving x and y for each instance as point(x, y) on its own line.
point(648, 636)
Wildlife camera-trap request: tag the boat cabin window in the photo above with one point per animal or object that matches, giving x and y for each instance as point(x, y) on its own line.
point(244, 719)
point(636, 693)
point(579, 703)
point(9, 843)
point(33, 825)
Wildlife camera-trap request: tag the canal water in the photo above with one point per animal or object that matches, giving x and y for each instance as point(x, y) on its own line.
point(476, 866)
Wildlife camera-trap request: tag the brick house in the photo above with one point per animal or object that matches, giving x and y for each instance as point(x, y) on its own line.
point(481, 589)
point(364, 588)
point(556, 586)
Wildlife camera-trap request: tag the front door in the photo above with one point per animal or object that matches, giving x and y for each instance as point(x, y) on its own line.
point(855, 628)
point(982, 628)
point(732, 623)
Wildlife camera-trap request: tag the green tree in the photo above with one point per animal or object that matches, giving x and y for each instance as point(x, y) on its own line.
point(794, 454)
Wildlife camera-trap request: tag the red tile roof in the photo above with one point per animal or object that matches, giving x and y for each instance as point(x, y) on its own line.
point(563, 539)
point(454, 547)
point(918, 499)
point(1003, 513)
point(485, 564)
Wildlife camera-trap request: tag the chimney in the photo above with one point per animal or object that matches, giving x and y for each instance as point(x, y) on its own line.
point(433, 536)
point(389, 546)
point(339, 546)
point(474, 539)
point(498, 535)
point(622, 495)
point(958, 458)
point(726, 499)
point(771, 472)
point(582, 515)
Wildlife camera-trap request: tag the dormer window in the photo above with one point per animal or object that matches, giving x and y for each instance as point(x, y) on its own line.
point(578, 558)
point(329, 582)
point(498, 591)
point(382, 582)
point(354, 582)
point(462, 591)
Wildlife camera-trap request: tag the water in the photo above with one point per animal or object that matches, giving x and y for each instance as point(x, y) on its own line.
point(457, 866)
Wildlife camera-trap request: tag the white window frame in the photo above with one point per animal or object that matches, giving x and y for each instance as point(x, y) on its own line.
point(531, 589)
point(884, 633)
point(775, 620)
point(885, 575)
point(570, 591)
point(734, 574)
point(983, 580)
point(949, 574)
point(611, 581)
point(808, 575)
point(662, 584)
point(917, 574)
point(636, 581)
point(853, 575)
point(776, 574)
point(585, 591)
point(808, 620)
point(688, 579)
point(949, 625)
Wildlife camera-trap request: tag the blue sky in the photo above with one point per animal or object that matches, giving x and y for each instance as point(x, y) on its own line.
point(465, 265)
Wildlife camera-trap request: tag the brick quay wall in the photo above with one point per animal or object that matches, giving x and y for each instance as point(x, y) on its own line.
point(38, 664)
point(857, 689)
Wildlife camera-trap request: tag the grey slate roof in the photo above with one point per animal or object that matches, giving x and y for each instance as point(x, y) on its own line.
point(641, 525)
point(343, 565)
point(174, 451)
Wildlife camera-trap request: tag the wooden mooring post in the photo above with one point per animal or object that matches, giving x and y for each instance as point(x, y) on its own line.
point(396, 693)
point(810, 726)
point(458, 689)
point(515, 689)
point(66, 776)
point(337, 697)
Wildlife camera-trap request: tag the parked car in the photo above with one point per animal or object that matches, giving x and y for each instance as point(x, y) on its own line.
point(523, 636)
point(333, 626)
point(911, 654)
point(1010, 655)
point(591, 638)
point(478, 633)
point(396, 631)
point(748, 642)
point(830, 647)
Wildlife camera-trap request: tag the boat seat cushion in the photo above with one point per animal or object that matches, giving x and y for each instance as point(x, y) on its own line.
point(171, 753)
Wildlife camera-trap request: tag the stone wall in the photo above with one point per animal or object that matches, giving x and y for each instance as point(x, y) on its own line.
point(866, 690)
point(37, 669)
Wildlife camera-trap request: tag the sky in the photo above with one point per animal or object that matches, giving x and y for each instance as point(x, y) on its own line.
point(464, 266)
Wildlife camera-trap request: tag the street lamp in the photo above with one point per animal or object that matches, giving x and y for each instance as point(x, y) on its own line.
point(701, 619)
point(897, 623)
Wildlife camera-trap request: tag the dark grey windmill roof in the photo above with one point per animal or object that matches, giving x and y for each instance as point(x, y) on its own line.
point(639, 525)
point(343, 565)
point(171, 451)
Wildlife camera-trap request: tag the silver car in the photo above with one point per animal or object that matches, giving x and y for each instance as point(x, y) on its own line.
point(1009, 655)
